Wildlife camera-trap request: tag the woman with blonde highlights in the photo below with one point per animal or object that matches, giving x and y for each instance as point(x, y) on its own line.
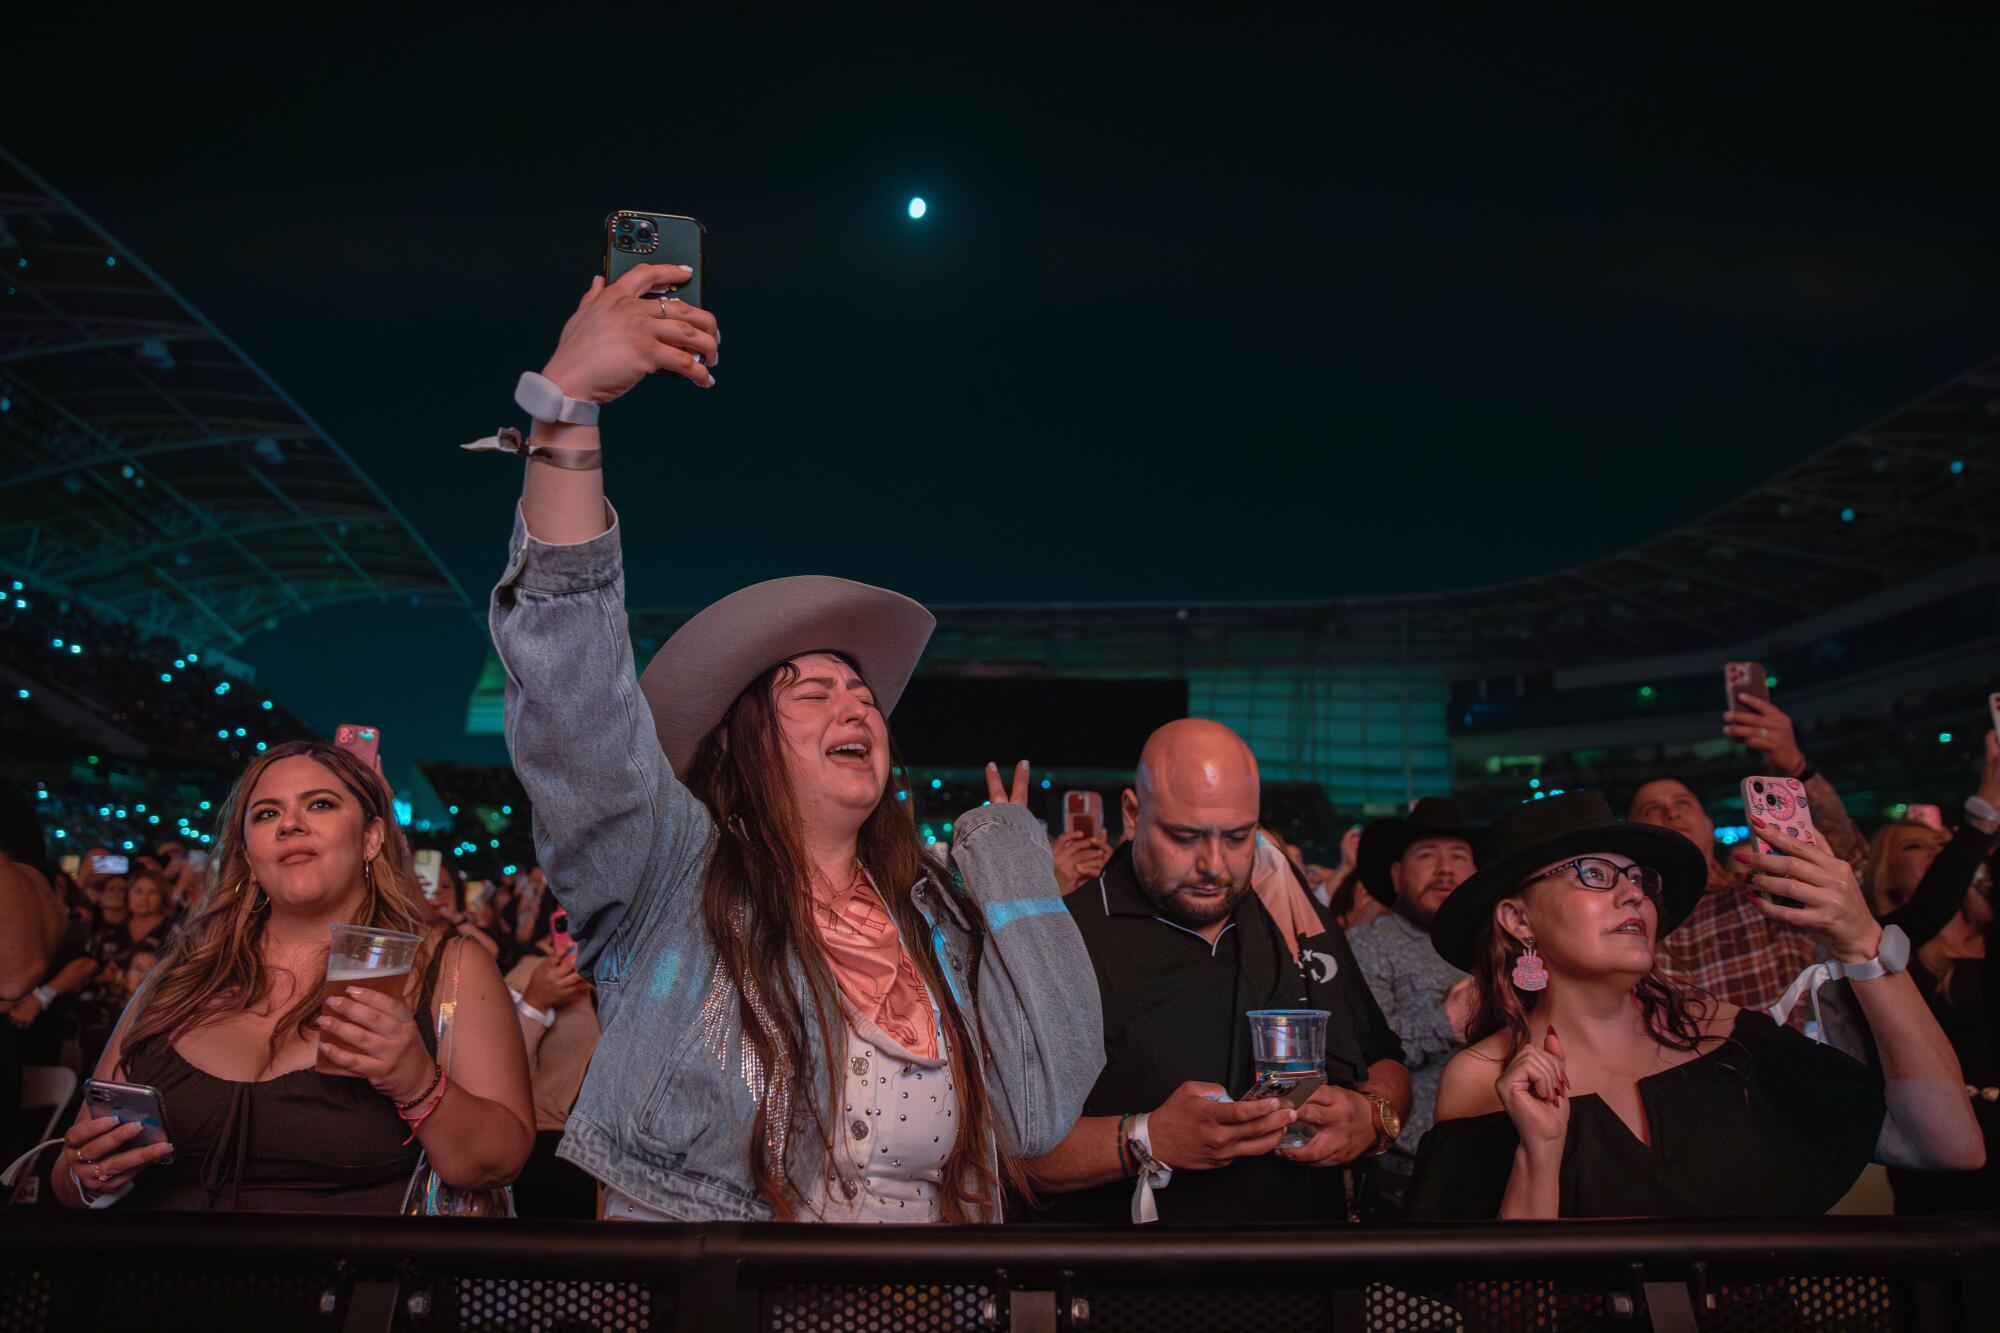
point(227, 1027)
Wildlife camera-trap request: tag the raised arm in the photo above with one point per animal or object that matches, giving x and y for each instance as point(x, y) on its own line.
point(1929, 1124)
point(611, 820)
point(1039, 1011)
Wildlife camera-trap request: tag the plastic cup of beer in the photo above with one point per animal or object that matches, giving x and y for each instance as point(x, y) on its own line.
point(1289, 1041)
point(368, 957)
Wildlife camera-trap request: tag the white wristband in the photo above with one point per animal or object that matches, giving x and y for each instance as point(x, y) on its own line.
point(1154, 1174)
point(546, 1017)
point(1981, 809)
point(104, 1200)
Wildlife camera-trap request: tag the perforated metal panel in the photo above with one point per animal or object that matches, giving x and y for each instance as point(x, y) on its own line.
point(1246, 1310)
point(556, 1307)
point(1845, 1304)
point(24, 1302)
point(830, 1309)
point(1478, 1306)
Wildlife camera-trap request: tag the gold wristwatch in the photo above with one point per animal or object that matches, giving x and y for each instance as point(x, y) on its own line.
point(1388, 1125)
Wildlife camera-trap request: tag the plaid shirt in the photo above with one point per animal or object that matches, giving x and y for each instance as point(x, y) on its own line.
point(1733, 951)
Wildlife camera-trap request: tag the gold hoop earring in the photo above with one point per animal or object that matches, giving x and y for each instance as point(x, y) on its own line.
point(255, 905)
point(368, 874)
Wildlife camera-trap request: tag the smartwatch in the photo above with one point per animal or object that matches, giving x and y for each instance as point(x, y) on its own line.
point(542, 398)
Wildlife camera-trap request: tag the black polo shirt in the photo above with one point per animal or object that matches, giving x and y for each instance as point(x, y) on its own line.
point(1174, 1007)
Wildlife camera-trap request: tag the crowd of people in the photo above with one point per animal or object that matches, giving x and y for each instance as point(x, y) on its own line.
point(741, 984)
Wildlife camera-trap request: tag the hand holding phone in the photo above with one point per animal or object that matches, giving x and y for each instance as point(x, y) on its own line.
point(1083, 812)
point(124, 1130)
point(559, 940)
point(1781, 803)
point(111, 865)
point(1294, 1090)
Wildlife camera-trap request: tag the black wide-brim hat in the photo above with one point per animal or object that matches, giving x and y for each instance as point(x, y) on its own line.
point(1533, 834)
point(1384, 841)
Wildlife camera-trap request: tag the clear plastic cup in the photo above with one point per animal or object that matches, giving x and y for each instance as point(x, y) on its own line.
point(1289, 1041)
point(371, 958)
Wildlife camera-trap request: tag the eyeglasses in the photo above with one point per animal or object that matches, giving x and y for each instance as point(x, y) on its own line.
point(1601, 876)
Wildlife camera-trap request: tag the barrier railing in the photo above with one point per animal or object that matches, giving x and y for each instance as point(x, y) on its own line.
point(227, 1271)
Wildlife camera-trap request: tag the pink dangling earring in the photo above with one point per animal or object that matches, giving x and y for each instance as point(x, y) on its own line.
point(1529, 974)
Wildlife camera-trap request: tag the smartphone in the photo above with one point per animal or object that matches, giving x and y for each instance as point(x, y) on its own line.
point(632, 238)
point(559, 933)
point(364, 743)
point(70, 864)
point(1780, 801)
point(476, 891)
point(1083, 812)
point(1927, 815)
point(1741, 678)
point(111, 865)
point(428, 863)
point(125, 1103)
point(1295, 1090)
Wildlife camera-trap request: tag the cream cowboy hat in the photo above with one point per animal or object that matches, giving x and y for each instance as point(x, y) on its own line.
point(695, 678)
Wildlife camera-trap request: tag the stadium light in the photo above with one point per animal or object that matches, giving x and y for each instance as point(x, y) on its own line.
point(918, 208)
point(205, 805)
point(267, 705)
point(506, 809)
point(454, 809)
point(261, 747)
point(1944, 738)
point(194, 657)
point(55, 643)
point(937, 784)
point(76, 648)
point(1957, 466)
point(23, 693)
point(1847, 514)
point(223, 688)
point(166, 678)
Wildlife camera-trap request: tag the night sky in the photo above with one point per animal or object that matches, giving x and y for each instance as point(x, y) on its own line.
point(1198, 311)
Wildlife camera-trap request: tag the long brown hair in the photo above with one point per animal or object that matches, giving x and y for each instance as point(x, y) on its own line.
point(215, 966)
point(757, 903)
point(1666, 1006)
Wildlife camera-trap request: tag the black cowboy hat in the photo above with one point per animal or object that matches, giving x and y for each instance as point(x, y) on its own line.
point(1384, 841)
point(1533, 834)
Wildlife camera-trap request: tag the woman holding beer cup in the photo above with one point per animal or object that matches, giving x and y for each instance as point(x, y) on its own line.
point(806, 1015)
point(282, 1090)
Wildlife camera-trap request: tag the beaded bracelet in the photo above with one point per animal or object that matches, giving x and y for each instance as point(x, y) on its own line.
point(1126, 1163)
point(417, 1122)
point(437, 1073)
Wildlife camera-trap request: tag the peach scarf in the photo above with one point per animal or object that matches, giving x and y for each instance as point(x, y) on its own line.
point(877, 977)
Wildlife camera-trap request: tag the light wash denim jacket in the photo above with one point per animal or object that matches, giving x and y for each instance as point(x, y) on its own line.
point(665, 1114)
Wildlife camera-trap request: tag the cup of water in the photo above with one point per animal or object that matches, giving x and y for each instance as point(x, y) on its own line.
point(1287, 1043)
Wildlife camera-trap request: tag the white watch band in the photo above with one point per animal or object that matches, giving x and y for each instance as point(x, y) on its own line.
point(1981, 809)
point(542, 399)
point(1892, 956)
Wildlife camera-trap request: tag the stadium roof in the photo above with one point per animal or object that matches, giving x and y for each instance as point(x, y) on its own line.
point(151, 468)
point(1896, 514)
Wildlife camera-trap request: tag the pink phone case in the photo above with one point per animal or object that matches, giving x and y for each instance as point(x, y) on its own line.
point(1780, 802)
point(1740, 678)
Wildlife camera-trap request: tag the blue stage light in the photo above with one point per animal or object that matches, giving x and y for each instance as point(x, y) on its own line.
point(918, 207)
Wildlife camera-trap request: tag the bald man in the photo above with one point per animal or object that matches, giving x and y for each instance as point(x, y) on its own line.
point(1183, 950)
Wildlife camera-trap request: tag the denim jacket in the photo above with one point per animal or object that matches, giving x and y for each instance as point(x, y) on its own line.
point(665, 1115)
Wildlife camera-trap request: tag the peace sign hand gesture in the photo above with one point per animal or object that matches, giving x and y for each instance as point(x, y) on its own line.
point(999, 794)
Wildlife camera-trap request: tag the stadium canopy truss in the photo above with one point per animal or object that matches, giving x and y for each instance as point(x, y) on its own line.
point(1900, 510)
point(152, 470)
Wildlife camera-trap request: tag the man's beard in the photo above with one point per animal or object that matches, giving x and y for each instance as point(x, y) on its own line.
point(1173, 901)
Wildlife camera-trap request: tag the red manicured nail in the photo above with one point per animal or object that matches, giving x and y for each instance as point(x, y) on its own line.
point(1758, 822)
point(1554, 1033)
point(1744, 857)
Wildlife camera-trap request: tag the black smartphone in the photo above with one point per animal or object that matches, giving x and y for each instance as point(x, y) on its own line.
point(1295, 1090)
point(632, 238)
point(125, 1103)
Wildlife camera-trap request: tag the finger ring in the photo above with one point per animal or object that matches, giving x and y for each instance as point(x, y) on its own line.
point(100, 1174)
point(1762, 734)
point(78, 1154)
point(663, 307)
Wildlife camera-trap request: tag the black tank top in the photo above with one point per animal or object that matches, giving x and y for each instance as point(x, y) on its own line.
point(300, 1142)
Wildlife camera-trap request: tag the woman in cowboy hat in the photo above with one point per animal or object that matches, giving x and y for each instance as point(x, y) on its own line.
point(804, 1014)
point(1655, 1100)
